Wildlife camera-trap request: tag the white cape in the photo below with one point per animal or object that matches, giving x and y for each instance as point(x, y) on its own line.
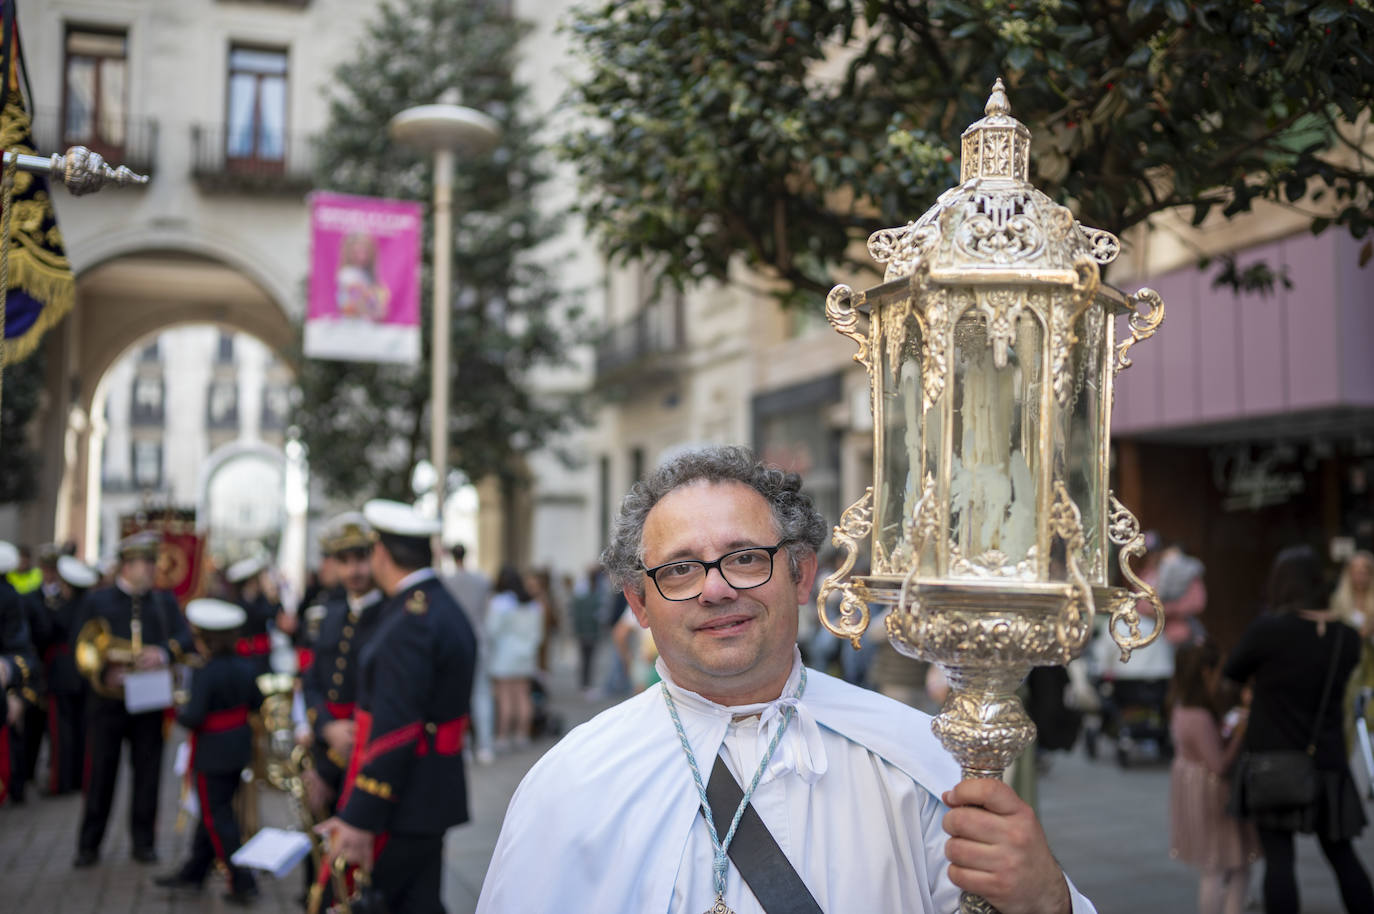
point(604, 821)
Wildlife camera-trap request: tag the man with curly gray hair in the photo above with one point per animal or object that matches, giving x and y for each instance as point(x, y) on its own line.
point(822, 796)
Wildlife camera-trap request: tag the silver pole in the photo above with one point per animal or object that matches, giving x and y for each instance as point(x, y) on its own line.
point(81, 170)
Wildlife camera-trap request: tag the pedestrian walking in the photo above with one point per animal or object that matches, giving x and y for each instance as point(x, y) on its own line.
point(472, 589)
point(588, 596)
point(515, 630)
point(1353, 604)
point(539, 585)
point(1298, 658)
point(1184, 594)
point(838, 790)
point(222, 694)
point(1202, 833)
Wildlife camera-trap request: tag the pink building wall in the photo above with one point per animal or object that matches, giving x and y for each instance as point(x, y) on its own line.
point(1221, 357)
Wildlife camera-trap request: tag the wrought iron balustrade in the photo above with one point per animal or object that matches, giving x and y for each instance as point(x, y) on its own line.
point(645, 348)
point(224, 161)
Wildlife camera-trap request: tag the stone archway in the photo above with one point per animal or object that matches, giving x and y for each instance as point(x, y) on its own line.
point(122, 299)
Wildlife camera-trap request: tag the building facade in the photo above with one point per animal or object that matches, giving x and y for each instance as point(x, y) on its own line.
point(196, 417)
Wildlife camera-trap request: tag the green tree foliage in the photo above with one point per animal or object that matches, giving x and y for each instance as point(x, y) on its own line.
point(780, 130)
point(367, 424)
point(20, 393)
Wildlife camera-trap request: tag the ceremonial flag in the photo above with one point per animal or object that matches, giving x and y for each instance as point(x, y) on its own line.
point(41, 287)
point(181, 556)
point(364, 279)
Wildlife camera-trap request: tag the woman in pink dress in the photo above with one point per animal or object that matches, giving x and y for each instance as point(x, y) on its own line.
point(1202, 833)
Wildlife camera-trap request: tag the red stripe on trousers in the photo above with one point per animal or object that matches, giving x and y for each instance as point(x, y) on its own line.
point(207, 822)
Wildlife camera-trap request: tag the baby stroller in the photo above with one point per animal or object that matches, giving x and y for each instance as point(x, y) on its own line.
point(1133, 715)
point(546, 721)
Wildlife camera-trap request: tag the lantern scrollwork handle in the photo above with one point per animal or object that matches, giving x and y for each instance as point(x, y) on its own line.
point(1075, 623)
point(1143, 323)
point(1124, 530)
point(842, 310)
point(855, 524)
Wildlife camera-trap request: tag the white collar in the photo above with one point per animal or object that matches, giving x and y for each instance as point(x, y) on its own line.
point(800, 749)
point(361, 603)
point(415, 577)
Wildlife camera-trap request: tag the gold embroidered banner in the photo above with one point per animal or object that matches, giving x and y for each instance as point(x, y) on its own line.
point(42, 288)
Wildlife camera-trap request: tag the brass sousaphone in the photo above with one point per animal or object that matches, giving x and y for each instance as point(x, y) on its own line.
point(96, 648)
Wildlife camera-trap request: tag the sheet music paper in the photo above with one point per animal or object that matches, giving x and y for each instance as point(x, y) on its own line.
point(273, 850)
point(147, 690)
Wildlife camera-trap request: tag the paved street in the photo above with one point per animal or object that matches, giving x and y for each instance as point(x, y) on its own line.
point(1109, 828)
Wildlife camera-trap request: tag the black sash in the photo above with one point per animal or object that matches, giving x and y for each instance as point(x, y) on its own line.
point(756, 855)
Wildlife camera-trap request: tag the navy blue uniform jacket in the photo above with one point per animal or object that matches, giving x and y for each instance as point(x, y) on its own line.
point(223, 693)
point(406, 776)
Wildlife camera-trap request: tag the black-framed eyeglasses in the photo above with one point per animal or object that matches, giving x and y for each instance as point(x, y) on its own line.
point(742, 569)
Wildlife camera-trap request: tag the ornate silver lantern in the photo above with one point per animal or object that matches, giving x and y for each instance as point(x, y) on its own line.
point(991, 350)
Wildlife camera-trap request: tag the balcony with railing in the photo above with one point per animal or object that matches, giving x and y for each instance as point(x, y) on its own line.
point(127, 141)
point(225, 161)
point(646, 349)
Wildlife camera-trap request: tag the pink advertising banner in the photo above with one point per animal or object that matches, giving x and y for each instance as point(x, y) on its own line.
point(364, 279)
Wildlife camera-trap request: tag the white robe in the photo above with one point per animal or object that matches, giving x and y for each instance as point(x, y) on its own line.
point(608, 821)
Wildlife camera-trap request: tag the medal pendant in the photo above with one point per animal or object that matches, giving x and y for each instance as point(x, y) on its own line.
point(720, 907)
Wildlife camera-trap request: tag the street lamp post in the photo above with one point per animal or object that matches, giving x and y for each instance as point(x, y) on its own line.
point(446, 129)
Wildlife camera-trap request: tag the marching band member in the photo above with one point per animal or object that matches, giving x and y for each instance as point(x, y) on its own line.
point(342, 627)
point(255, 640)
point(17, 667)
point(405, 783)
point(223, 693)
point(66, 691)
point(330, 684)
point(41, 605)
point(130, 605)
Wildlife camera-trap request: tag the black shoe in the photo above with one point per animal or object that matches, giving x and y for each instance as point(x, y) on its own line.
point(177, 881)
point(242, 898)
point(85, 858)
point(145, 855)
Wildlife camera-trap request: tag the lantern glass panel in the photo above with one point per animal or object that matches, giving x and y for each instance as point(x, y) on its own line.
point(995, 450)
point(1078, 445)
point(902, 421)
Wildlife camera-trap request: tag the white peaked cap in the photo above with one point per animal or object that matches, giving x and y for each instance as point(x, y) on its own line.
point(399, 519)
point(9, 557)
point(244, 569)
point(214, 615)
point(76, 572)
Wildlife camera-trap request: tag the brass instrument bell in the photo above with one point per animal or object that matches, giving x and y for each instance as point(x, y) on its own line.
point(96, 648)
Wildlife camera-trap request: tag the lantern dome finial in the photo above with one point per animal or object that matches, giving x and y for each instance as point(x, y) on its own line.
point(998, 105)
